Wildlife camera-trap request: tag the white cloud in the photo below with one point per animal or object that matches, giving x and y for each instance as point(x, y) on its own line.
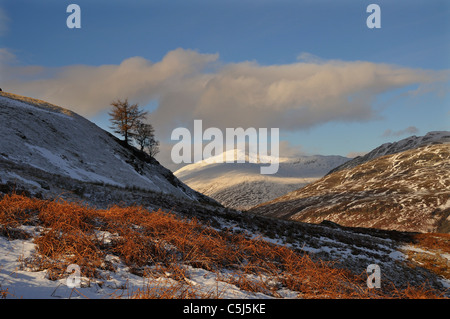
point(4, 22)
point(355, 154)
point(410, 130)
point(307, 57)
point(6, 57)
point(189, 85)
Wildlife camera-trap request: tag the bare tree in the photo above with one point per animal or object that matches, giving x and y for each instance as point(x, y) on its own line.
point(125, 117)
point(145, 137)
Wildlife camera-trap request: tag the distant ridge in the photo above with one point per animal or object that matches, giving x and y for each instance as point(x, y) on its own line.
point(435, 137)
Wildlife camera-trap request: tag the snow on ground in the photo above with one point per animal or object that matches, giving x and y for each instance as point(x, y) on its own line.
point(355, 251)
point(13, 177)
point(57, 141)
point(241, 186)
point(22, 283)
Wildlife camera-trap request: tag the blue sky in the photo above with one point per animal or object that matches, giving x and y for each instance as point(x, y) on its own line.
point(221, 42)
point(413, 33)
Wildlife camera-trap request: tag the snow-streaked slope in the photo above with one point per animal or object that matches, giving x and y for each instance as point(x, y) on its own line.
point(406, 191)
point(241, 186)
point(37, 137)
point(19, 282)
point(431, 138)
point(399, 255)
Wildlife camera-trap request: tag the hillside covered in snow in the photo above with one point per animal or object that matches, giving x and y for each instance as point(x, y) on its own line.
point(242, 186)
point(71, 194)
point(51, 151)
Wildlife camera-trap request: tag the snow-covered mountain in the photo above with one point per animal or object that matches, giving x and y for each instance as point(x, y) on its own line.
point(241, 186)
point(49, 151)
point(436, 137)
point(46, 149)
point(405, 191)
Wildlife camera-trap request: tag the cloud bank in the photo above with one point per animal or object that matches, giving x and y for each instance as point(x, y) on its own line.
point(410, 130)
point(4, 21)
point(189, 85)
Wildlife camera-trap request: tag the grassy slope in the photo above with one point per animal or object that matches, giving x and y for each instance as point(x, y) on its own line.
point(153, 244)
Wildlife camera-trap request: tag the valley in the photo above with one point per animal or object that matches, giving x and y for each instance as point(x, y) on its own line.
point(71, 193)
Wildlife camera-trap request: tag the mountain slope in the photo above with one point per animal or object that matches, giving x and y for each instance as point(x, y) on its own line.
point(436, 137)
point(47, 149)
point(130, 252)
point(140, 251)
point(407, 191)
point(241, 186)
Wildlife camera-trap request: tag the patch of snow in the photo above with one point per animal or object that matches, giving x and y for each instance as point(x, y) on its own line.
point(241, 186)
point(12, 175)
point(15, 103)
point(59, 142)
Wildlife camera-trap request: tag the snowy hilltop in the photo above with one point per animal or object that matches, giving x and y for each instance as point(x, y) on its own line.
point(241, 186)
point(47, 149)
point(74, 197)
